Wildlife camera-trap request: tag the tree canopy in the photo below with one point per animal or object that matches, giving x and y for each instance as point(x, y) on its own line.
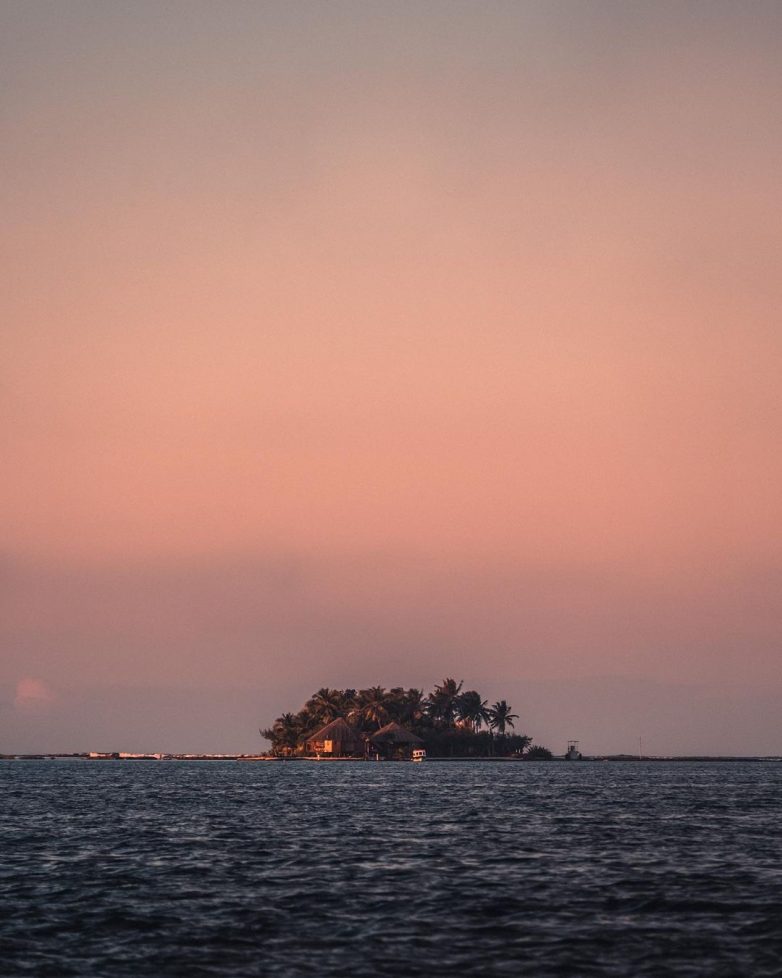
point(450, 720)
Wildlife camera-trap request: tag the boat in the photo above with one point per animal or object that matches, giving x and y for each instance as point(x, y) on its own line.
point(419, 754)
point(573, 753)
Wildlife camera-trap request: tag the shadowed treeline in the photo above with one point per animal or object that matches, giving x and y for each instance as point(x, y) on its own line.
point(449, 720)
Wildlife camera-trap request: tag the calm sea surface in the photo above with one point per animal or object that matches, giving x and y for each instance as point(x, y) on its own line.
point(239, 869)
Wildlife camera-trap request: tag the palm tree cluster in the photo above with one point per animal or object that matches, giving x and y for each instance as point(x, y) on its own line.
point(452, 721)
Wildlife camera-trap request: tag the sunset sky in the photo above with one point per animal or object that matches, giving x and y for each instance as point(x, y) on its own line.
point(356, 342)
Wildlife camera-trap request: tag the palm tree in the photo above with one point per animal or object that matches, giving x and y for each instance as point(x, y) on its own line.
point(500, 717)
point(372, 706)
point(472, 710)
point(396, 703)
point(325, 705)
point(442, 701)
point(413, 707)
point(285, 732)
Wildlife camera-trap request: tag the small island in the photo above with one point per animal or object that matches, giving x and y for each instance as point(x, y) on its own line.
point(390, 724)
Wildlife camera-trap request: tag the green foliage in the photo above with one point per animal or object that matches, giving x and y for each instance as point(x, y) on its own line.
point(500, 717)
point(326, 705)
point(372, 708)
point(448, 720)
point(472, 710)
point(443, 702)
point(538, 753)
point(285, 733)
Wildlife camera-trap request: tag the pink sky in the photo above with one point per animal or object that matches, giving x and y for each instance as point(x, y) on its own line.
point(366, 342)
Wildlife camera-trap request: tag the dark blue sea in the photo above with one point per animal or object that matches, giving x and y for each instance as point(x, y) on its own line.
point(451, 869)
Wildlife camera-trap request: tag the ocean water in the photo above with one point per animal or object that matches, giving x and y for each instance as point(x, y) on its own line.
point(452, 869)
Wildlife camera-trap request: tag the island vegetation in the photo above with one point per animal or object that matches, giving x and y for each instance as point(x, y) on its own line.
point(451, 721)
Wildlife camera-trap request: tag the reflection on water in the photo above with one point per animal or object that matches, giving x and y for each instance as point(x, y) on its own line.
point(159, 869)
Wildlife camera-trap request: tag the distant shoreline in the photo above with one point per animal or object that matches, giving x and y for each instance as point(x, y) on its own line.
point(608, 758)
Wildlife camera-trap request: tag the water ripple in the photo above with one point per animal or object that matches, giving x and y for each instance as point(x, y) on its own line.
point(220, 869)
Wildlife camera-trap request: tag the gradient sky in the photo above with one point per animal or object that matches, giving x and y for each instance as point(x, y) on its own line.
point(355, 342)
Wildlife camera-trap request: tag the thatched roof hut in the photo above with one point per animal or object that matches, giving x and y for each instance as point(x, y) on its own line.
point(337, 738)
point(395, 735)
